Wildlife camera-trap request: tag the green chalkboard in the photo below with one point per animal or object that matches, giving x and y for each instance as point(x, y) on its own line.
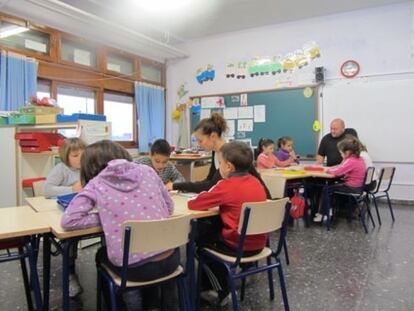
point(288, 113)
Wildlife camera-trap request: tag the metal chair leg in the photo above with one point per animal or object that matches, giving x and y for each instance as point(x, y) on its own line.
point(376, 209)
point(283, 287)
point(286, 252)
point(390, 206)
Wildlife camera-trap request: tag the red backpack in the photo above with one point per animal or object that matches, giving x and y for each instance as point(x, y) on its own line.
point(297, 206)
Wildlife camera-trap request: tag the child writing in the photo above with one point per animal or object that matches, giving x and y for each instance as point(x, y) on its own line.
point(238, 186)
point(158, 160)
point(352, 170)
point(64, 178)
point(121, 190)
point(285, 149)
point(267, 159)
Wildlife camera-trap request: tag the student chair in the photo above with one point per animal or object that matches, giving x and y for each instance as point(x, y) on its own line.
point(255, 218)
point(6, 247)
point(359, 198)
point(148, 236)
point(384, 184)
point(277, 188)
point(38, 188)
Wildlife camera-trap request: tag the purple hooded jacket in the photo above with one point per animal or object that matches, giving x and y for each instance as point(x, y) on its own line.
point(122, 191)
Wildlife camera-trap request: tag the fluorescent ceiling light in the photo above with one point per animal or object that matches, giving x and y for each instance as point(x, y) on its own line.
point(11, 31)
point(157, 6)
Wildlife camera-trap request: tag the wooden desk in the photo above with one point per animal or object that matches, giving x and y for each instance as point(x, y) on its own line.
point(185, 163)
point(42, 204)
point(290, 175)
point(22, 221)
point(51, 213)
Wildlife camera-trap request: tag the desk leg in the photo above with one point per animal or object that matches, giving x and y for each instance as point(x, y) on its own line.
point(46, 270)
point(34, 278)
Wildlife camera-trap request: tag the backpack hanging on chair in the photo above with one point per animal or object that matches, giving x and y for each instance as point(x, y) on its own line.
point(297, 205)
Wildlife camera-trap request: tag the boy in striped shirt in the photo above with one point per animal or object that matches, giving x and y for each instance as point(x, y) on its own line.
point(158, 160)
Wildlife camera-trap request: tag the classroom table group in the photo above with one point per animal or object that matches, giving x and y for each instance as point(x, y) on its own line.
point(43, 216)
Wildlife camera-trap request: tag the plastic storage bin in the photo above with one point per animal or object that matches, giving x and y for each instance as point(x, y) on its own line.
point(80, 116)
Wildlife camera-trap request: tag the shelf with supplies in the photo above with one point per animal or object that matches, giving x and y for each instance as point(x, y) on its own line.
point(40, 162)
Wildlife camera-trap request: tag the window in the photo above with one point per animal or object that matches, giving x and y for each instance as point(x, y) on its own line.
point(151, 72)
point(74, 100)
point(19, 37)
point(119, 110)
point(120, 64)
point(78, 53)
point(43, 89)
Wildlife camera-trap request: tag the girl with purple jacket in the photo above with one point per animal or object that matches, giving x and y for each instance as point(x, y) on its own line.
point(121, 190)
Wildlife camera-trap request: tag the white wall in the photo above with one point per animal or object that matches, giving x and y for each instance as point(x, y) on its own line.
point(380, 39)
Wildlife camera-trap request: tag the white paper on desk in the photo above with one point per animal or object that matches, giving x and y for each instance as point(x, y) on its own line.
point(245, 125)
point(245, 112)
point(187, 194)
point(232, 128)
point(260, 113)
point(205, 113)
point(230, 113)
point(82, 57)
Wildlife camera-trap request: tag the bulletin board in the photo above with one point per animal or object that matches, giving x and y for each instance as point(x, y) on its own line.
point(268, 114)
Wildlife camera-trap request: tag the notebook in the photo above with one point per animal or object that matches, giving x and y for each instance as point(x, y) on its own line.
point(64, 200)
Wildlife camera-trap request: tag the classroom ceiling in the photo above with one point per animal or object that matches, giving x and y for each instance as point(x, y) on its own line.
point(168, 26)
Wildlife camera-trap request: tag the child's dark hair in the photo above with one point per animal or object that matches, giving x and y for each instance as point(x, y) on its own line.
point(283, 141)
point(263, 142)
point(162, 147)
point(215, 124)
point(241, 156)
point(350, 143)
point(96, 157)
point(69, 145)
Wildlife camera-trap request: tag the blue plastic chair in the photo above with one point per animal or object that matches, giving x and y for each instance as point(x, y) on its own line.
point(255, 218)
point(149, 236)
point(9, 247)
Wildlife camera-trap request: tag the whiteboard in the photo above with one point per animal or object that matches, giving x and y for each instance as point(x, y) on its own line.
point(382, 112)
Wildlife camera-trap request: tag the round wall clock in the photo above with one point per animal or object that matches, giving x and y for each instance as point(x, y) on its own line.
point(350, 69)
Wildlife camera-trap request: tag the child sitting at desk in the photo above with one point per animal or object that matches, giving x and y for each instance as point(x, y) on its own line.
point(285, 149)
point(158, 160)
point(352, 170)
point(64, 178)
point(237, 187)
point(121, 190)
point(267, 159)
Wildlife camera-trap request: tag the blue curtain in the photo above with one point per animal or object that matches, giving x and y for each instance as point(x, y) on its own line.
point(18, 80)
point(150, 101)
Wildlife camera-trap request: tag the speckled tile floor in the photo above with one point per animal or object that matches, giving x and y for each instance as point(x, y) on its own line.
point(344, 269)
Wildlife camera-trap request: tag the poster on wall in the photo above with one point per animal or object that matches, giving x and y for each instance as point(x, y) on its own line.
point(212, 102)
point(232, 128)
point(243, 99)
point(260, 113)
point(245, 125)
point(230, 113)
point(245, 112)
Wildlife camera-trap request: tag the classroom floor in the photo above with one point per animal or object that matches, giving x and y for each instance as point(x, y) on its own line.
point(344, 269)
